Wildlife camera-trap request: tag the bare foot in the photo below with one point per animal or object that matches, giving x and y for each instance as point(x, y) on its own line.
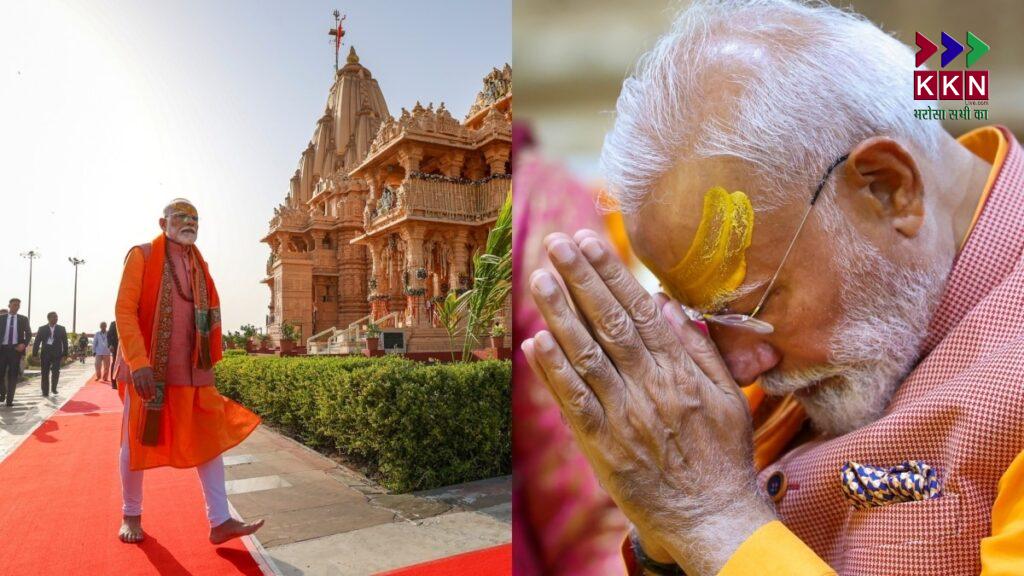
point(233, 529)
point(131, 529)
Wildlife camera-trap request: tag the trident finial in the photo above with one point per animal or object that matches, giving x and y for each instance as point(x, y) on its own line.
point(338, 32)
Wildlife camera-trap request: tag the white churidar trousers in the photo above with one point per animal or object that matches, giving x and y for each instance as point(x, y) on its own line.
point(211, 476)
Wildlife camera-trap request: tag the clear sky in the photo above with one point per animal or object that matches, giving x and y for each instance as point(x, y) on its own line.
point(108, 109)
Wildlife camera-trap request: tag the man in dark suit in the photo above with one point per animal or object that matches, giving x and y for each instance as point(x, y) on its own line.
point(112, 341)
point(14, 338)
point(53, 339)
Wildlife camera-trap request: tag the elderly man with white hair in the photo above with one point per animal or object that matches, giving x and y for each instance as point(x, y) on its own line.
point(168, 319)
point(810, 234)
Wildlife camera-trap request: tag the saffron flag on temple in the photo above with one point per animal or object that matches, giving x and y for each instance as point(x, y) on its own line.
point(338, 34)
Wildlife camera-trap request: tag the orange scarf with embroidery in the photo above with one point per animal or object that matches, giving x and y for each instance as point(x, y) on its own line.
point(155, 309)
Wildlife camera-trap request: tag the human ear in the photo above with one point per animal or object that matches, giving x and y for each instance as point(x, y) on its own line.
point(885, 179)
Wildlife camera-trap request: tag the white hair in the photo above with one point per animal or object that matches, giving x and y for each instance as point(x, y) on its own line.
point(803, 83)
point(170, 205)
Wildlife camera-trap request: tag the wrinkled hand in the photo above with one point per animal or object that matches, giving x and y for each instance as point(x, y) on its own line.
point(651, 403)
point(144, 383)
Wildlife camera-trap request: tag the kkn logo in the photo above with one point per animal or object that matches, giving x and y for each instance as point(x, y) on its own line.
point(950, 84)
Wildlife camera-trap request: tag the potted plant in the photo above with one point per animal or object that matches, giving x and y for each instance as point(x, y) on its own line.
point(288, 337)
point(498, 333)
point(229, 340)
point(372, 337)
point(249, 333)
point(264, 342)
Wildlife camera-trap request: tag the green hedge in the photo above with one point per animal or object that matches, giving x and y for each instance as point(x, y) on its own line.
point(416, 426)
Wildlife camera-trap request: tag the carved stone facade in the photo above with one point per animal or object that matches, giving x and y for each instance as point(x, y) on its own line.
point(384, 214)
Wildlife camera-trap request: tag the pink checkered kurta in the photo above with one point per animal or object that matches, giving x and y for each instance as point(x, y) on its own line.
point(961, 411)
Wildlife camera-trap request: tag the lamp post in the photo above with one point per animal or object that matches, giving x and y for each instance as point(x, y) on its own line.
point(31, 255)
point(74, 314)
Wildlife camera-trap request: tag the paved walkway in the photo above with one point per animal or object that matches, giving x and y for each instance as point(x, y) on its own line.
point(325, 519)
point(31, 409)
point(322, 518)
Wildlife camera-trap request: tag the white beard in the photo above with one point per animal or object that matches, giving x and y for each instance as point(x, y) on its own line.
point(887, 312)
point(185, 238)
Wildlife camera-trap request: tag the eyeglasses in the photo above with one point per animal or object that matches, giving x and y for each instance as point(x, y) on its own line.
point(749, 321)
point(184, 217)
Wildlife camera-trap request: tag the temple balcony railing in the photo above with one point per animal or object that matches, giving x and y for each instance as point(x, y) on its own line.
point(440, 199)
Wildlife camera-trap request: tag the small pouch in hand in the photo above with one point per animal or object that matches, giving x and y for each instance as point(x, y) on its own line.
point(152, 412)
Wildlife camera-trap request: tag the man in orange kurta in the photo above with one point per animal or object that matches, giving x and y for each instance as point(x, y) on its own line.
point(168, 320)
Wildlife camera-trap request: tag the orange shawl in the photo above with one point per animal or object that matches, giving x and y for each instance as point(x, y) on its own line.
point(156, 288)
point(198, 423)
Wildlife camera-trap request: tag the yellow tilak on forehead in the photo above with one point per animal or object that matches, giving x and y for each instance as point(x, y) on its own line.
point(183, 208)
point(715, 264)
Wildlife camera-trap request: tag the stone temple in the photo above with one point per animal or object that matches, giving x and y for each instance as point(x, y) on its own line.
point(383, 215)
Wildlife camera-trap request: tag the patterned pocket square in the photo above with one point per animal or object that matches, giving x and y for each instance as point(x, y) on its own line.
point(871, 486)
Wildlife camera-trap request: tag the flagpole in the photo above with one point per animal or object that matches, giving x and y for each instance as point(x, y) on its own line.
point(338, 32)
point(337, 39)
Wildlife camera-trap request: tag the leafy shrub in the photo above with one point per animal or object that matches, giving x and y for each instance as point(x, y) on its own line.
point(234, 352)
point(289, 332)
point(416, 426)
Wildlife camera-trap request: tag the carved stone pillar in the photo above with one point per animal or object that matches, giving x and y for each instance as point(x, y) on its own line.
point(354, 273)
point(409, 158)
point(415, 310)
point(379, 307)
point(371, 202)
point(318, 239)
point(378, 280)
point(496, 159)
point(451, 164)
point(460, 255)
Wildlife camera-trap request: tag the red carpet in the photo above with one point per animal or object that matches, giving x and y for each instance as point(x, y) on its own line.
point(92, 398)
point(61, 504)
point(495, 561)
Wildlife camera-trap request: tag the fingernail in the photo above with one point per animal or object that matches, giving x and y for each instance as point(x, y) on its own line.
point(544, 284)
point(561, 251)
point(526, 343)
point(591, 249)
point(544, 341)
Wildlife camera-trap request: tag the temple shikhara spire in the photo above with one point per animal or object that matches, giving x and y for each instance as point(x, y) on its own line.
point(384, 213)
point(338, 32)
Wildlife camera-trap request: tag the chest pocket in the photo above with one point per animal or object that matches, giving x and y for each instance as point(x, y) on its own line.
point(914, 522)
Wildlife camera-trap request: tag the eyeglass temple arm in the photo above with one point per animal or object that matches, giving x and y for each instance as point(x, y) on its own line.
point(771, 283)
point(807, 212)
